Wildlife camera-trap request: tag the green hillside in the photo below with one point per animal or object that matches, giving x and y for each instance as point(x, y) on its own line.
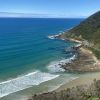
point(88, 30)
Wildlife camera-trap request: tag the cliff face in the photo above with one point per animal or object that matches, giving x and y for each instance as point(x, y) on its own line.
point(89, 30)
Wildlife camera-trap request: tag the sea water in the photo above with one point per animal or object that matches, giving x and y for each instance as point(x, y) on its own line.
point(29, 60)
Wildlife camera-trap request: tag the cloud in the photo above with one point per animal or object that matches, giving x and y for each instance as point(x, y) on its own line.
point(25, 15)
point(30, 15)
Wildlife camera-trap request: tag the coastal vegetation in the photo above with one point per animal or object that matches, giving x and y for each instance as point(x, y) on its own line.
point(88, 34)
point(83, 92)
point(96, 52)
point(88, 31)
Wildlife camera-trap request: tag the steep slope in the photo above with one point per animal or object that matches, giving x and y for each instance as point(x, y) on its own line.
point(89, 30)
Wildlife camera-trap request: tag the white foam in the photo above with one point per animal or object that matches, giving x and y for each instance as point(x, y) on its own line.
point(23, 82)
point(63, 39)
point(56, 65)
point(51, 37)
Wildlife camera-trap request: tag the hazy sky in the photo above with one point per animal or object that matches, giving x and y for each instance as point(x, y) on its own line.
point(50, 8)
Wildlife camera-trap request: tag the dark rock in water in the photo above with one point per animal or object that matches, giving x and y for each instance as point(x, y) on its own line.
point(84, 62)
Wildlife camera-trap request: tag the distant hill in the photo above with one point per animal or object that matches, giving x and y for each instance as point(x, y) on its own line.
point(88, 30)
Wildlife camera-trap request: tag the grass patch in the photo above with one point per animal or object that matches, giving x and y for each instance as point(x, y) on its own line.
point(95, 52)
point(93, 98)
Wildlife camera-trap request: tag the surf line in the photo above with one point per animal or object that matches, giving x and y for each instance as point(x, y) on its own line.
point(24, 82)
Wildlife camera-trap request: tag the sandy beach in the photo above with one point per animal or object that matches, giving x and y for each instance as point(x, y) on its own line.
point(87, 78)
point(85, 62)
point(83, 80)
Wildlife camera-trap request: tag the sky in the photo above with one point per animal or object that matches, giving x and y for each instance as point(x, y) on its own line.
point(48, 8)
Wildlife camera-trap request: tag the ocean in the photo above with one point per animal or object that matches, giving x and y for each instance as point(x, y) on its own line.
point(29, 59)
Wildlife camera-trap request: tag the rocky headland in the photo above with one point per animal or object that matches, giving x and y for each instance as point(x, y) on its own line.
point(87, 35)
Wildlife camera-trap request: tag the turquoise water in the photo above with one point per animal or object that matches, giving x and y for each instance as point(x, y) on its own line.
point(25, 48)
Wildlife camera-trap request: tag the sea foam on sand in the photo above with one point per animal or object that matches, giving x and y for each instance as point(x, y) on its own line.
point(23, 82)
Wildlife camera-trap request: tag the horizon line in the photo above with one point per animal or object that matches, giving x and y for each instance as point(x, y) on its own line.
point(48, 17)
point(33, 15)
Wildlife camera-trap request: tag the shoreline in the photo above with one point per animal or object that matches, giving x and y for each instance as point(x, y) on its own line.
point(82, 80)
point(85, 60)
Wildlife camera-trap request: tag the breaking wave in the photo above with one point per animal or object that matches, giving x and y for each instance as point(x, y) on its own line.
point(23, 82)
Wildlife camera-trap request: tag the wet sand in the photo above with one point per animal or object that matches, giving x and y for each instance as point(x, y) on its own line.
point(83, 80)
